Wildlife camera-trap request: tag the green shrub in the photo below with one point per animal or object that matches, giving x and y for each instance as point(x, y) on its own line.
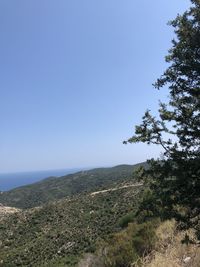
point(143, 236)
point(120, 252)
point(125, 220)
point(127, 246)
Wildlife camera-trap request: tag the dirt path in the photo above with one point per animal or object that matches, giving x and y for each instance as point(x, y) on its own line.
point(116, 188)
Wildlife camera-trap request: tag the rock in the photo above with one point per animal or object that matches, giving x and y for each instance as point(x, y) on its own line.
point(187, 259)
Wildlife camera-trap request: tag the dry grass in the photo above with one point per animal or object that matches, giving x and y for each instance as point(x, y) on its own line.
point(170, 251)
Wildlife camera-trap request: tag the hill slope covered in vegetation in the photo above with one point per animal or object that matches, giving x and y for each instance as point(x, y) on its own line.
point(51, 189)
point(59, 232)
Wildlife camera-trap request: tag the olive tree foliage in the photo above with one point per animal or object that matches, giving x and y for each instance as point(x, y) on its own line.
point(174, 179)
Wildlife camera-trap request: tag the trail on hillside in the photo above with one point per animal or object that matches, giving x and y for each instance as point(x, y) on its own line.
point(116, 188)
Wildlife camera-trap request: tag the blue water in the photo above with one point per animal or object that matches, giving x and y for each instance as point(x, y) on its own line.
point(11, 180)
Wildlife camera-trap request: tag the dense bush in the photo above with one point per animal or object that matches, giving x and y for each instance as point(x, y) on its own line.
point(126, 247)
point(125, 220)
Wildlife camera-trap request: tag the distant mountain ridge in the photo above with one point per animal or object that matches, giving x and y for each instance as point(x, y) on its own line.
point(9, 181)
point(51, 189)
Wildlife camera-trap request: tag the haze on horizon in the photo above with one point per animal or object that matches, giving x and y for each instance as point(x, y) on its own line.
point(76, 76)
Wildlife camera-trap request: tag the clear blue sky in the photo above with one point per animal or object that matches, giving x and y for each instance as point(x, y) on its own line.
point(76, 76)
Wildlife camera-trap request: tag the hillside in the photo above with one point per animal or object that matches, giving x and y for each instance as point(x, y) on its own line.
point(51, 189)
point(59, 232)
point(151, 244)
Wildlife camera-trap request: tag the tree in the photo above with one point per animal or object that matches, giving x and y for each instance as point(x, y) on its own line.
point(174, 179)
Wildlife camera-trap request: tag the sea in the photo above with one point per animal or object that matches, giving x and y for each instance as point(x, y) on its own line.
point(9, 181)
